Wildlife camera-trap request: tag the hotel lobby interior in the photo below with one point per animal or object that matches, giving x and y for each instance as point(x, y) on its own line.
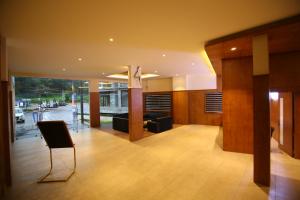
point(212, 104)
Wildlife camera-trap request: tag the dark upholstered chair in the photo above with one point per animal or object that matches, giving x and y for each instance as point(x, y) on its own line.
point(120, 122)
point(56, 135)
point(160, 124)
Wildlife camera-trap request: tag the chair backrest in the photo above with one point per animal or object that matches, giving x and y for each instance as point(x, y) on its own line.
point(56, 134)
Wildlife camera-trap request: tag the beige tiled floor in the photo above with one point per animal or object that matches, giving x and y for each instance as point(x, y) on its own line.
point(183, 163)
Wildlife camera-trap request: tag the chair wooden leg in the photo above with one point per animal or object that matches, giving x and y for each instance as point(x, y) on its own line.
point(42, 180)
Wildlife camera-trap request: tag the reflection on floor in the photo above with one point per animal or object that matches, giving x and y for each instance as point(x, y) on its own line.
point(183, 163)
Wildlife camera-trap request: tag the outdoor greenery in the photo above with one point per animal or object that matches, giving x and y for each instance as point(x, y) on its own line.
point(46, 89)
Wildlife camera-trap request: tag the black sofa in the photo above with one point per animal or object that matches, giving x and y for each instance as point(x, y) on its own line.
point(160, 124)
point(156, 122)
point(120, 122)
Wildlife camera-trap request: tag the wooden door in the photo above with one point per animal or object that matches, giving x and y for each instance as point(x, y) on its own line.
point(286, 122)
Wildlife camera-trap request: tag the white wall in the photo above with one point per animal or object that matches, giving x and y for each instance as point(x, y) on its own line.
point(180, 83)
point(201, 82)
point(194, 82)
point(157, 85)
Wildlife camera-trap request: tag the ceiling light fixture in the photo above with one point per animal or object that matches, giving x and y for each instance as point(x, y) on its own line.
point(193, 64)
point(164, 55)
point(111, 39)
point(103, 73)
point(176, 74)
point(79, 59)
point(155, 71)
point(64, 69)
point(233, 48)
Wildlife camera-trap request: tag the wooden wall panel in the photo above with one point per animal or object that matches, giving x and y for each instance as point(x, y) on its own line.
point(297, 125)
point(287, 145)
point(197, 114)
point(135, 112)
point(285, 71)
point(261, 130)
point(2, 160)
point(180, 107)
point(274, 118)
point(94, 109)
point(238, 105)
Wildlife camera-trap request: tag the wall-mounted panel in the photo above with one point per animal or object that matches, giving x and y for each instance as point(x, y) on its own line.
point(197, 114)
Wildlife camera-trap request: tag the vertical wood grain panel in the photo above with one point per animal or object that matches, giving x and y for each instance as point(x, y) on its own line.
point(274, 118)
point(285, 71)
point(261, 125)
point(2, 160)
point(238, 105)
point(180, 107)
point(197, 114)
point(297, 125)
point(135, 113)
point(94, 109)
point(287, 122)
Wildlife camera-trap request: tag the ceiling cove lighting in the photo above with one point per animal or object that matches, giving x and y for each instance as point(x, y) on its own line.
point(149, 75)
point(118, 76)
point(233, 48)
point(124, 76)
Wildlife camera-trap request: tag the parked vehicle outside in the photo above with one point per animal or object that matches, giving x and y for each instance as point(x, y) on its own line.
point(19, 115)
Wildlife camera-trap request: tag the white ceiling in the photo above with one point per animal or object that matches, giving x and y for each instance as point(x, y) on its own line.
point(45, 36)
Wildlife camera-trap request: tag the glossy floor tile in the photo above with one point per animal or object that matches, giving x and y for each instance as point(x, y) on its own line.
point(186, 162)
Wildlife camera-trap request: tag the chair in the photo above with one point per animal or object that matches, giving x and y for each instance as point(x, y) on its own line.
point(56, 135)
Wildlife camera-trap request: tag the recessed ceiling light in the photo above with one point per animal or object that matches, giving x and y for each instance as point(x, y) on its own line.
point(79, 59)
point(155, 71)
point(111, 39)
point(164, 55)
point(64, 69)
point(233, 48)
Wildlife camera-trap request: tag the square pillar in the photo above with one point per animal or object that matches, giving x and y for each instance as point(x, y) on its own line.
point(94, 103)
point(5, 114)
point(135, 103)
point(261, 111)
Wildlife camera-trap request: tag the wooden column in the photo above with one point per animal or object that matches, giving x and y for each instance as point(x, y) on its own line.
point(261, 114)
point(5, 162)
point(94, 103)
point(135, 104)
